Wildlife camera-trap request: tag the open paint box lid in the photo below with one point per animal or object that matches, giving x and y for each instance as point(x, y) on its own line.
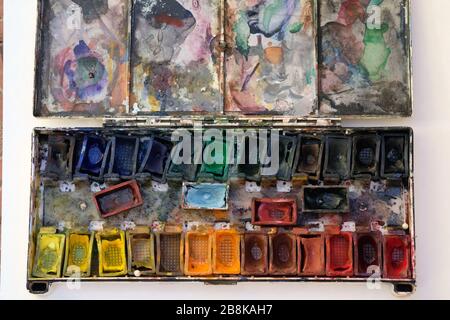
point(126, 58)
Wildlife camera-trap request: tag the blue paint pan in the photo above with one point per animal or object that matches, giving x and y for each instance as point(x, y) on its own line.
point(93, 157)
point(205, 196)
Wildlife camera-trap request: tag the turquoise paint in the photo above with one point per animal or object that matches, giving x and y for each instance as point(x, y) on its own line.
point(206, 196)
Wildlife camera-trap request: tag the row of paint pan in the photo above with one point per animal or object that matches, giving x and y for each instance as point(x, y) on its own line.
point(312, 156)
point(208, 252)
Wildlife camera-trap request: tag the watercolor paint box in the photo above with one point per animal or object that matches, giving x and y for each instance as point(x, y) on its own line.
point(298, 78)
point(349, 206)
point(373, 206)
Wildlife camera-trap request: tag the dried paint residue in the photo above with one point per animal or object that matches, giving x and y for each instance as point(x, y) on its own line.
point(364, 57)
point(176, 67)
point(271, 64)
point(84, 68)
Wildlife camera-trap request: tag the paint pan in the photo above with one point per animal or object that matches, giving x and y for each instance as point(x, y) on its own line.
point(248, 158)
point(255, 254)
point(397, 257)
point(141, 251)
point(169, 253)
point(287, 150)
point(311, 255)
point(175, 171)
point(329, 199)
point(274, 212)
point(78, 256)
point(339, 248)
point(368, 254)
point(179, 171)
point(286, 155)
point(111, 253)
point(283, 254)
point(394, 156)
point(93, 159)
point(308, 158)
point(366, 155)
point(226, 252)
point(205, 196)
point(157, 160)
point(124, 152)
point(215, 161)
point(60, 156)
point(118, 199)
point(198, 253)
point(338, 153)
point(49, 253)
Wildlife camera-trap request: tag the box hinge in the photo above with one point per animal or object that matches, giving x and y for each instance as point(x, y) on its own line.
point(152, 122)
point(220, 121)
point(328, 122)
point(286, 122)
point(123, 122)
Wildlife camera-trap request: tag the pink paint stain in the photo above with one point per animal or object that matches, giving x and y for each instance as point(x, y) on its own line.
point(350, 11)
point(196, 47)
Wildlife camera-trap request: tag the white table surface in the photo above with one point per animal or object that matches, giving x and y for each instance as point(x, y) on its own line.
point(431, 122)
